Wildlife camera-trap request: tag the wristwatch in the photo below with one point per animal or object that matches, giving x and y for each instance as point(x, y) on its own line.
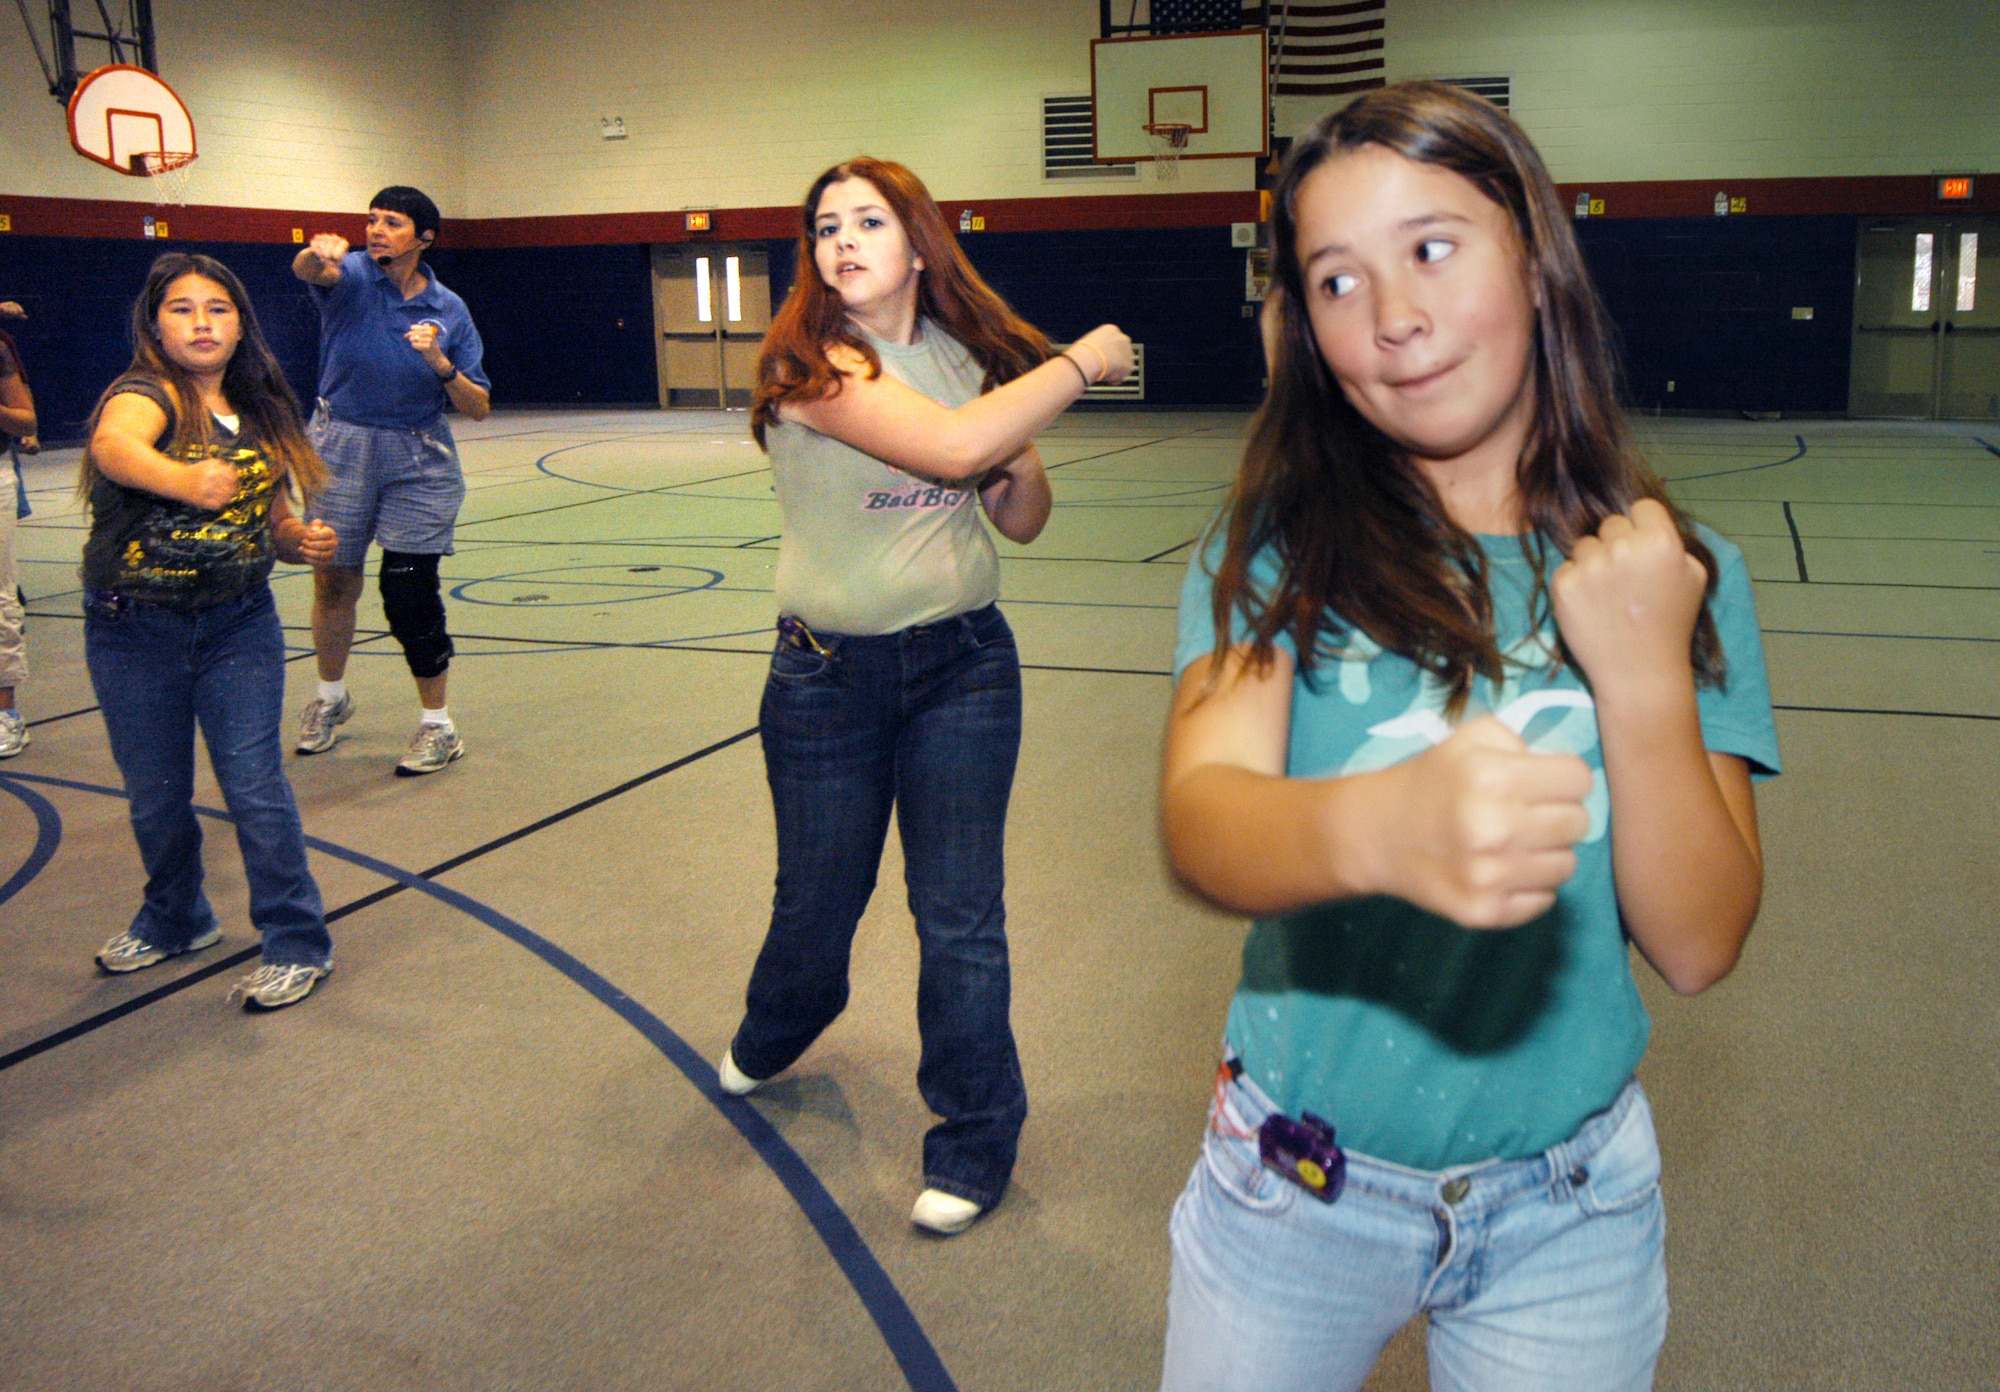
point(446, 377)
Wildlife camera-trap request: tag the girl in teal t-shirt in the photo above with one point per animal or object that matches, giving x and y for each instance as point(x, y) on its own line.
point(1465, 707)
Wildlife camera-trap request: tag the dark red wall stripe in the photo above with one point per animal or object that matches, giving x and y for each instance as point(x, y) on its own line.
point(1892, 195)
point(1879, 196)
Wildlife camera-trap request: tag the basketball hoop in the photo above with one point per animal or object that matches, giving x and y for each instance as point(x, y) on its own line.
point(1168, 139)
point(169, 170)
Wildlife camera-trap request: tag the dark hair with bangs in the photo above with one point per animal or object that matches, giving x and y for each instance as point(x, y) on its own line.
point(1361, 537)
point(253, 381)
point(793, 365)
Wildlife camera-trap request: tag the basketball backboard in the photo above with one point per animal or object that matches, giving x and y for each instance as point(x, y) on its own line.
point(120, 113)
point(1213, 84)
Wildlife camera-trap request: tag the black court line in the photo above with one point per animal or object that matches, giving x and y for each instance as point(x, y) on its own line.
point(743, 545)
point(613, 497)
point(179, 984)
point(900, 1330)
point(1127, 449)
point(1987, 445)
point(1876, 710)
point(1161, 555)
point(1878, 585)
point(87, 710)
point(1798, 547)
point(1899, 637)
point(1745, 469)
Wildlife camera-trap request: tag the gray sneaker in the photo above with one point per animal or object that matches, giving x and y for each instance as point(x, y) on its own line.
point(274, 985)
point(13, 733)
point(433, 748)
point(126, 953)
point(316, 724)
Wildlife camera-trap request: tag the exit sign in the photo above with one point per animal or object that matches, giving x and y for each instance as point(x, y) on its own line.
point(697, 222)
point(1955, 188)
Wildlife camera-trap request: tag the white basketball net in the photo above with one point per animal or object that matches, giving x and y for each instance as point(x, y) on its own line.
point(1168, 139)
point(169, 170)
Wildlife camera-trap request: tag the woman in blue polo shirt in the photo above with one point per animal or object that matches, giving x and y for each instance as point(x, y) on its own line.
point(396, 349)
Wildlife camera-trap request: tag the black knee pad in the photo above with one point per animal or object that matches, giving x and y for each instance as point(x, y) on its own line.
point(415, 610)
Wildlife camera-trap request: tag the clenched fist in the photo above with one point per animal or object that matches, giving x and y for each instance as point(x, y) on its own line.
point(1488, 827)
point(1627, 599)
point(329, 247)
point(209, 484)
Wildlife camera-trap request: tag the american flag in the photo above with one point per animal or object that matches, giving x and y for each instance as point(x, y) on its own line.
point(1326, 50)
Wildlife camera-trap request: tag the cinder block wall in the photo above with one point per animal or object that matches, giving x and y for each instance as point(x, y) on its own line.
point(1715, 89)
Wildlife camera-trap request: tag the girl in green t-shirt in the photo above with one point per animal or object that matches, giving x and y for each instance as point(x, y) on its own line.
point(1464, 700)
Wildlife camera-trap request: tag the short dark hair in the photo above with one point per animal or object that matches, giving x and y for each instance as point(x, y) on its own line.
point(413, 204)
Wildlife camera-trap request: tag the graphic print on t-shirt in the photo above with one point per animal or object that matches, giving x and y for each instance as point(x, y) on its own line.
point(179, 547)
point(914, 494)
point(1551, 719)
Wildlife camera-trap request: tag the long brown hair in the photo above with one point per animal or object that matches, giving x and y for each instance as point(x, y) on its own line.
point(1361, 537)
point(793, 365)
point(253, 381)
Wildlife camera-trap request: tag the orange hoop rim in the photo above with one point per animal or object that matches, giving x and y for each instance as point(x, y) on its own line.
point(162, 161)
point(1175, 133)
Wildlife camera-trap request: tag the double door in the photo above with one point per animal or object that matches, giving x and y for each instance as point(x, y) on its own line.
point(711, 305)
point(1927, 319)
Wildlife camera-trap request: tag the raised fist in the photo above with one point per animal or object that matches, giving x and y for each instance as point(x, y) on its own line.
point(1110, 343)
point(329, 247)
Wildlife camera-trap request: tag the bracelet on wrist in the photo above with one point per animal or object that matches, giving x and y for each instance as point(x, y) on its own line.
point(445, 377)
point(1087, 383)
point(1103, 363)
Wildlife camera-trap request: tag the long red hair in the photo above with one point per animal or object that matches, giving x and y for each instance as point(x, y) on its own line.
point(793, 364)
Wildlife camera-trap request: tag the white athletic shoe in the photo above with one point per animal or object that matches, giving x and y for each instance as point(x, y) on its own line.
point(944, 1214)
point(434, 747)
point(316, 722)
point(13, 733)
point(276, 985)
point(734, 1080)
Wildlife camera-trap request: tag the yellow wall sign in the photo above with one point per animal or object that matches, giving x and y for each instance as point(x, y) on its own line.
point(298, 234)
point(6, 223)
point(697, 222)
point(1597, 207)
point(1739, 205)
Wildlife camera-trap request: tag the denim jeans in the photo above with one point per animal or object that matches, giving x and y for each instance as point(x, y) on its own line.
point(158, 673)
point(1546, 1273)
point(928, 721)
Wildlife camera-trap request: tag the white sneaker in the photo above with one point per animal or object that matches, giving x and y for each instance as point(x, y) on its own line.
point(433, 748)
point(126, 953)
point(274, 986)
point(316, 722)
point(944, 1214)
point(734, 1080)
point(13, 733)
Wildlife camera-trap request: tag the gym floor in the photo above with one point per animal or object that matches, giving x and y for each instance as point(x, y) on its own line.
point(489, 1152)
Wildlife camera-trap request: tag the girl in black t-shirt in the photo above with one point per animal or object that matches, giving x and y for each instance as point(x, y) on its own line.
point(194, 453)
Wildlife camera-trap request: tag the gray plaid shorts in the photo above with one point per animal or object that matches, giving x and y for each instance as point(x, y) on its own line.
point(401, 488)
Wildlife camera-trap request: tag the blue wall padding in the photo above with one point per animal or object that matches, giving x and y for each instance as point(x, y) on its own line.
point(561, 325)
point(1704, 302)
point(79, 291)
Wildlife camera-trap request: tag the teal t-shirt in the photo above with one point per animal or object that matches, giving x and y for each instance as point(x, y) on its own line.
point(1426, 1044)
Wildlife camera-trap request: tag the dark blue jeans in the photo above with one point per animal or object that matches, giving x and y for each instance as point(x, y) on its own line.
point(927, 721)
point(158, 674)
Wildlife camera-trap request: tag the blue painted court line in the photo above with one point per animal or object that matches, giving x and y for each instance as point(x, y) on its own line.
point(48, 836)
point(904, 1336)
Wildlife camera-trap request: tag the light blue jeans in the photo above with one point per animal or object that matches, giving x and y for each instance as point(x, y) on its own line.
point(1545, 1273)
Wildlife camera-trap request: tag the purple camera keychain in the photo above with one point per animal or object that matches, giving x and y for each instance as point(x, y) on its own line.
point(1303, 1151)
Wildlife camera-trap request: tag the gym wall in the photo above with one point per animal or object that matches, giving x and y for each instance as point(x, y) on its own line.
point(295, 107)
point(1723, 89)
